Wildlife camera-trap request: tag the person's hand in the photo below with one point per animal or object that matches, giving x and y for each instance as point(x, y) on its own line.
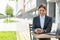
point(41, 31)
point(38, 30)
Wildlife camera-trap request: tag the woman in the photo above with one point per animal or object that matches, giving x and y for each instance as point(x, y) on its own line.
point(42, 23)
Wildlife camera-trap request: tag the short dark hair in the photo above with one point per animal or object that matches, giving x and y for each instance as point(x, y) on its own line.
point(43, 6)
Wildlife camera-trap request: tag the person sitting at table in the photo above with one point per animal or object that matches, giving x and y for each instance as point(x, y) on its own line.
point(42, 23)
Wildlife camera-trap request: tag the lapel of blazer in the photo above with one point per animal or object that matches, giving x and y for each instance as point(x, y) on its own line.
point(39, 21)
point(45, 22)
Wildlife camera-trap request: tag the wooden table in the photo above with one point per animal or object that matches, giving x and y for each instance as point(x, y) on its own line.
point(37, 36)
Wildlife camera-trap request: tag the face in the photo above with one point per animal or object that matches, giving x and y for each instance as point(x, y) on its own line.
point(42, 11)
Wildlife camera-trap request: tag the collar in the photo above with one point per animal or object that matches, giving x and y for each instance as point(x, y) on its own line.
point(42, 16)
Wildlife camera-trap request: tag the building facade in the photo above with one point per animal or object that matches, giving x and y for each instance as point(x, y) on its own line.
point(31, 6)
point(53, 7)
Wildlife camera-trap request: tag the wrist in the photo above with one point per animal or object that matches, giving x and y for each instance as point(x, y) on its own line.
point(44, 31)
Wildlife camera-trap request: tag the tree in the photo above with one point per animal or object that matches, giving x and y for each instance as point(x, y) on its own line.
point(9, 11)
point(16, 0)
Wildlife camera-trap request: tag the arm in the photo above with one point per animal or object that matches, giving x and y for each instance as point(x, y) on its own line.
point(33, 27)
point(48, 29)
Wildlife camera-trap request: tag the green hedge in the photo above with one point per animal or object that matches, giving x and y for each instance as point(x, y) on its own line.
point(9, 21)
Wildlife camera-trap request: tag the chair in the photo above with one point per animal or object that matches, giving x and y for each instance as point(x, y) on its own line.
point(30, 27)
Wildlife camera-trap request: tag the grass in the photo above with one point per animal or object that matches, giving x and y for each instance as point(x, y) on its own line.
point(8, 35)
point(9, 21)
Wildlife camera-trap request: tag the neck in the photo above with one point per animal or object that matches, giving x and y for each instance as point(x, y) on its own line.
point(41, 15)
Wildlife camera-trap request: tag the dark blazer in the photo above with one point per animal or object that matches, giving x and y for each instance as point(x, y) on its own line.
point(47, 23)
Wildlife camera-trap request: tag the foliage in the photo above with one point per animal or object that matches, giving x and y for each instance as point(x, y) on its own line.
point(9, 11)
point(16, 0)
point(9, 21)
point(1, 14)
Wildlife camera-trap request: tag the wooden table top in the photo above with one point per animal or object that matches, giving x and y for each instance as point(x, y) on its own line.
point(45, 36)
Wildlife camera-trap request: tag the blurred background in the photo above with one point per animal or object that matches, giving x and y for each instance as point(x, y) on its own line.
point(17, 15)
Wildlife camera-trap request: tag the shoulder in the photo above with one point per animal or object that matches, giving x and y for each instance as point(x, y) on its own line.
point(49, 17)
point(36, 17)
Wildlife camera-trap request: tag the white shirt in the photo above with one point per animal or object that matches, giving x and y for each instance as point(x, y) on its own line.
point(42, 20)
